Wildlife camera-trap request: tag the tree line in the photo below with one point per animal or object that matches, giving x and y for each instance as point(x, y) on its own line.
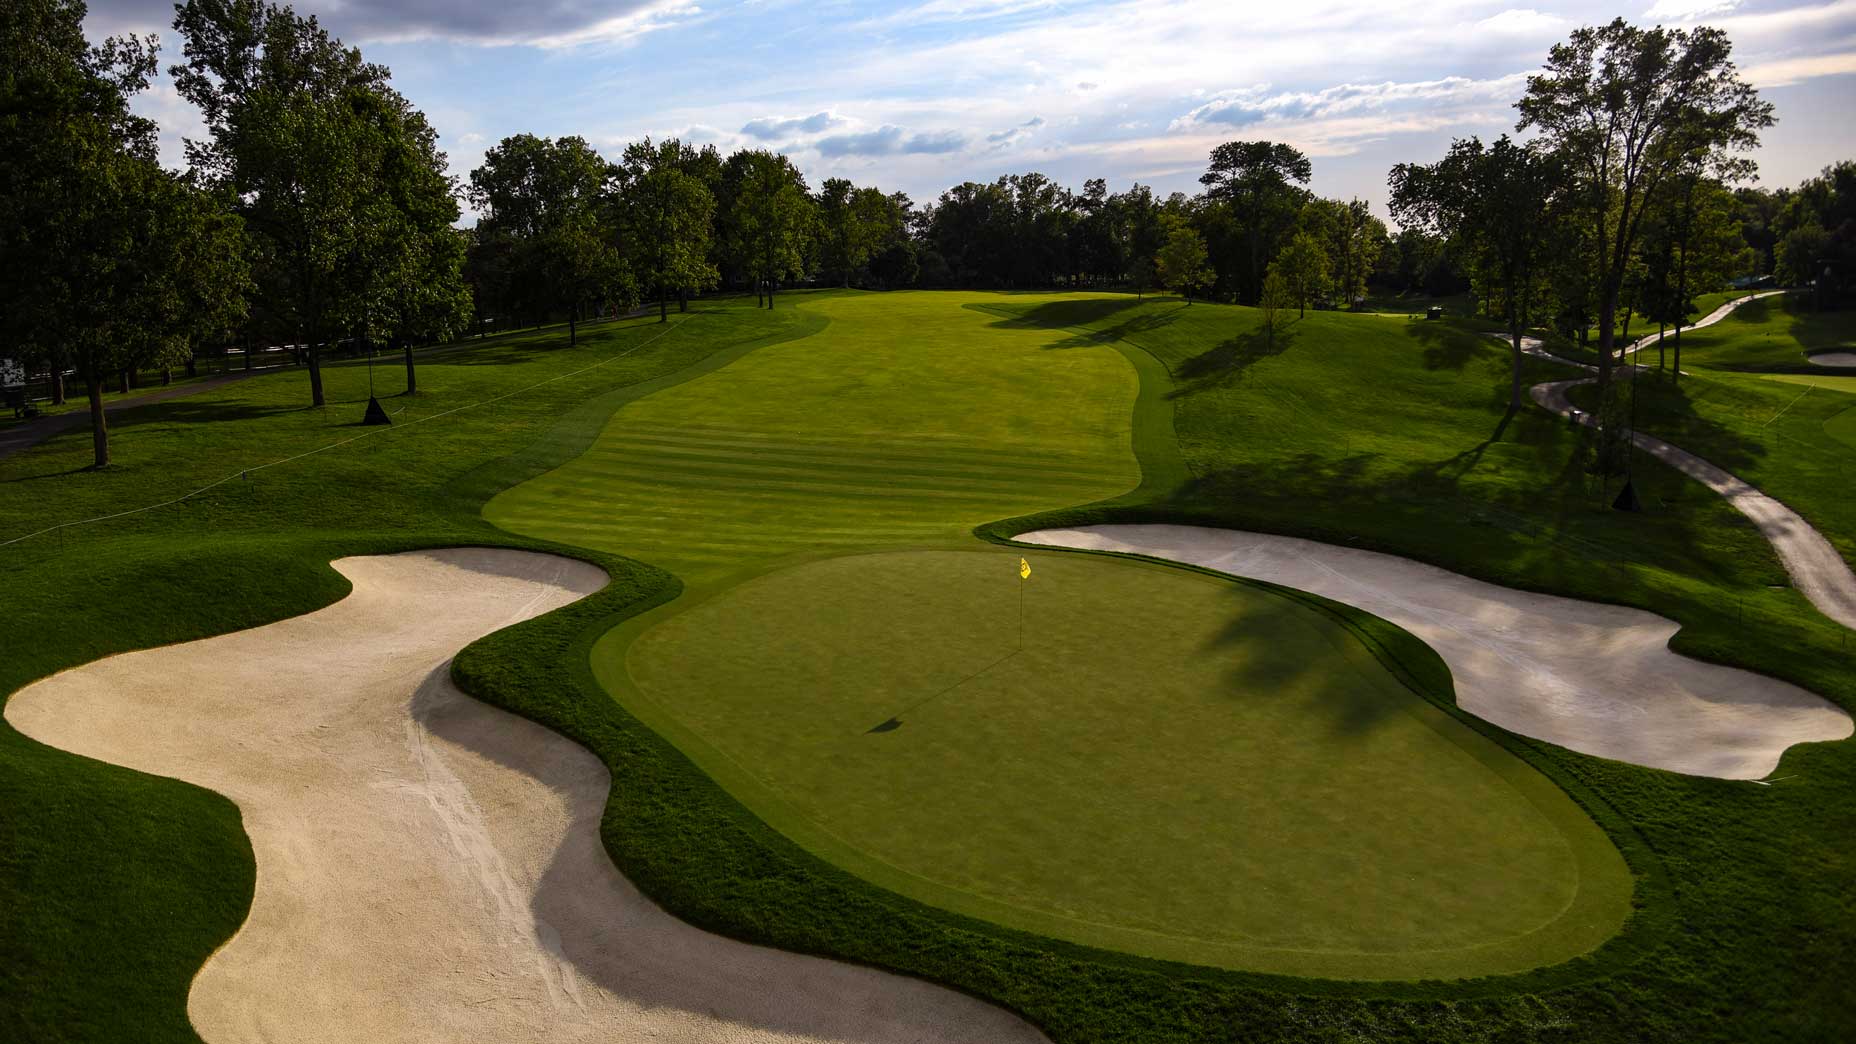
point(317, 211)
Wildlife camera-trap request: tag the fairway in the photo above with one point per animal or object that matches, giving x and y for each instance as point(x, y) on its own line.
point(1172, 765)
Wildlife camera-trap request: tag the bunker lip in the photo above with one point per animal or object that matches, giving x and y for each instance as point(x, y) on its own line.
point(1594, 678)
point(430, 868)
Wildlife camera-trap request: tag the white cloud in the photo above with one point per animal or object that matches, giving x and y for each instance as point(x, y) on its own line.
point(889, 140)
point(1522, 22)
point(1689, 10)
point(779, 128)
point(1786, 71)
point(1243, 106)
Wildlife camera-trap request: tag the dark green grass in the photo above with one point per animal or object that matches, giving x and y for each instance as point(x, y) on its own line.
point(1773, 334)
point(1743, 931)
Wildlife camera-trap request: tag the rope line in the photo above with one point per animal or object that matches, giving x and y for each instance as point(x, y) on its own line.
point(343, 442)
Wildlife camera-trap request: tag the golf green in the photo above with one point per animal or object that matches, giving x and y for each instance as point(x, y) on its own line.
point(1169, 764)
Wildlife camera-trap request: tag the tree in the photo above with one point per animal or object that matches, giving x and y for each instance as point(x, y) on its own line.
point(1258, 181)
point(540, 203)
point(1624, 109)
point(1304, 265)
point(107, 262)
point(1356, 239)
point(1182, 260)
point(1273, 298)
point(773, 215)
point(285, 108)
point(1496, 201)
point(666, 214)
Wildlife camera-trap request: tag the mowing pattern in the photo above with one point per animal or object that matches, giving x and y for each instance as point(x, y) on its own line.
point(899, 425)
point(703, 500)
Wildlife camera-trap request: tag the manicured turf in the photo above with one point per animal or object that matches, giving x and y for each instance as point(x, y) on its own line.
point(114, 886)
point(1233, 781)
point(905, 423)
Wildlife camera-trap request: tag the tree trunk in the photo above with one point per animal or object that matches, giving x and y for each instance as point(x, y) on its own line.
point(248, 352)
point(314, 359)
point(683, 300)
point(122, 380)
point(412, 379)
point(663, 305)
point(167, 376)
point(1514, 381)
point(99, 424)
point(573, 326)
point(57, 383)
point(1607, 339)
point(1662, 348)
point(1678, 370)
point(193, 367)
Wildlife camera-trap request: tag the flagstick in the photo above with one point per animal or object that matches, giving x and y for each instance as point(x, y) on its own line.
point(1021, 614)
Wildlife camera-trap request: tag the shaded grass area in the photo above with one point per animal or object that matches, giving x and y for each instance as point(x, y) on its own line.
point(1772, 335)
point(1742, 931)
point(1790, 440)
point(1426, 467)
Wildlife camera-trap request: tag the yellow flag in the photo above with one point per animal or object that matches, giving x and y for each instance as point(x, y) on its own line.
point(1024, 569)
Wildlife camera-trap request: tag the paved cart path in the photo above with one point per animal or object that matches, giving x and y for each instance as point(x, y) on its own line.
point(1817, 570)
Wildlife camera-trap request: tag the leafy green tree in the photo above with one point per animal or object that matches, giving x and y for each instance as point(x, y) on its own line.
point(1497, 202)
point(1181, 260)
point(1258, 181)
point(542, 218)
point(107, 262)
point(1272, 300)
point(286, 108)
point(1304, 266)
point(1799, 253)
point(666, 214)
point(772, 220)
point(1625, 110)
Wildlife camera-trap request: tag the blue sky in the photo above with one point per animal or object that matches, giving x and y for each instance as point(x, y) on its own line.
point(920, 95)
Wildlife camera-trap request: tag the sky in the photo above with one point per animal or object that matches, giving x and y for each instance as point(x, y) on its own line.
point(920, 95)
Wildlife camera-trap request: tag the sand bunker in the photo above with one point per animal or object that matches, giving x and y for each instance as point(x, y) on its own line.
point(429, 868)
point(1595, 678)
point(1834, 360)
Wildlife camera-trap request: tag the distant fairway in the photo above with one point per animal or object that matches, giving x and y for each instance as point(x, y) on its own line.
point(1175, 765)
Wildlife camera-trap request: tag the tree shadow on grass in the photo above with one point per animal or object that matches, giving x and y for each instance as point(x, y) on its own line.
point(1445, 347)
point(1072, 316)
point(1226, 363)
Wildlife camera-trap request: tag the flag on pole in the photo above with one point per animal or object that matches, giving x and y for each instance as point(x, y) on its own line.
point(1024, 569)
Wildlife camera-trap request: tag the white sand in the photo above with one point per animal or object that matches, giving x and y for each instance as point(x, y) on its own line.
point(1595, 678)
point(430, 869)
point(1834, 360)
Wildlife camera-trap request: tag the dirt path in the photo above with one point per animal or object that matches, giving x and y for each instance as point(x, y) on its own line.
point(1817, 570)
point(1596, 678)
point(430, 868)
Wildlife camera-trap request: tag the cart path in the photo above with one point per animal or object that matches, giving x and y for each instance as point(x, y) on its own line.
point(1599, 679)
point(430, 868)
point(27, 434)
point(1816, 569)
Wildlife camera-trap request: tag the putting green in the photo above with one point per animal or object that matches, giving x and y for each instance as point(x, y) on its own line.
point(1173, 765)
